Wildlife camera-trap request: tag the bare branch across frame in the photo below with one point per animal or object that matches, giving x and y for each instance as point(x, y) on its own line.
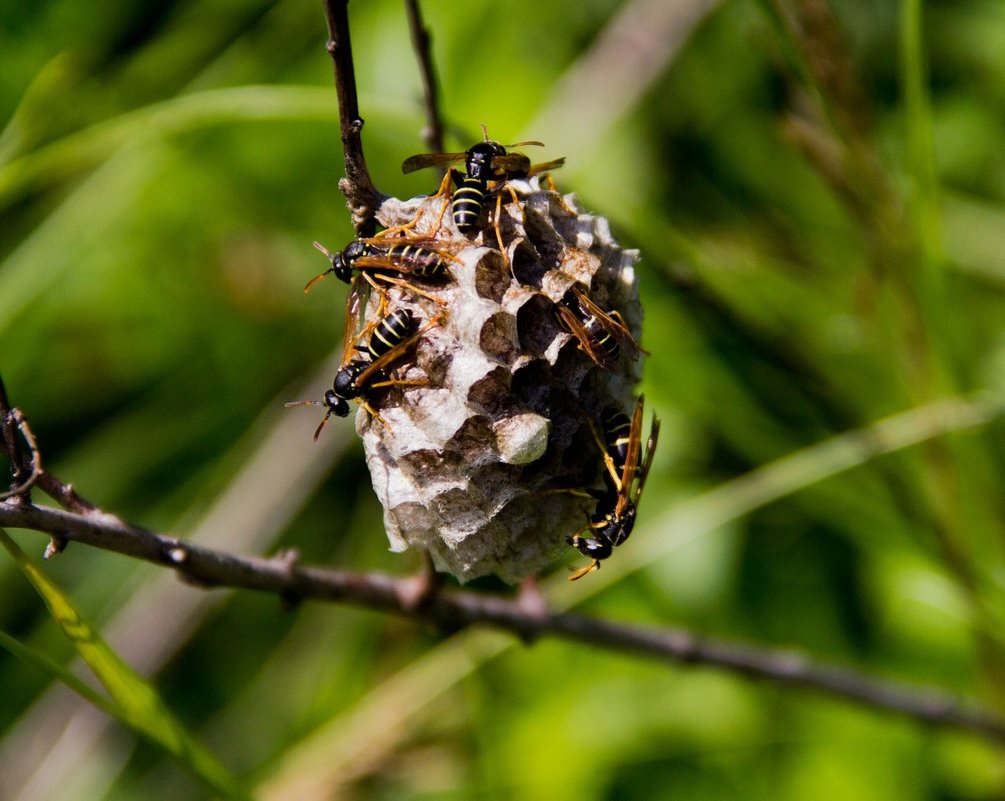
point(456, 609)
point(451, 610)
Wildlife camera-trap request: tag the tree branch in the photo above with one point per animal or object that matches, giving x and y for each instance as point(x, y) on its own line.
point(361, 195)
point(452, 610)
point(432, 134)
point(12, 421)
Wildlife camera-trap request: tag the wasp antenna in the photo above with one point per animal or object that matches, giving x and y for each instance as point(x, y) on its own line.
point(485, 131)
point(319, 277)
point(323, 249)
point(328, 255)
point(323, 423)
point(292, 404)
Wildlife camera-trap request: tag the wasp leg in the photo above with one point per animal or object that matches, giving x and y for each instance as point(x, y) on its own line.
point(608, 461)
point(382, 308)
point(445, 191)
point(449, 178)
point(498, 230)
point(515, 198)
point(392, 382)
point(402, 283)
point(401, 382)
point(377, 416)
point(579, 493)
point(549, 184)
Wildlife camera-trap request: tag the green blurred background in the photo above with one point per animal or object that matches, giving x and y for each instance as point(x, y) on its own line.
point(817, 191)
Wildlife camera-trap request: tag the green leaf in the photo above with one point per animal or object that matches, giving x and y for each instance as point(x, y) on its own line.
point(139, 705)
point(44, 664)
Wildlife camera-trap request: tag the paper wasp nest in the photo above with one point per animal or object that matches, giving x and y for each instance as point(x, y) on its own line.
point(475, 467)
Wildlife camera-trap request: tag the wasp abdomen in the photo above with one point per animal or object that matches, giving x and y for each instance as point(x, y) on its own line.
point(390, 332)
point(466, 206)
point(617, 436)
point(602, 337)
point(421, 262)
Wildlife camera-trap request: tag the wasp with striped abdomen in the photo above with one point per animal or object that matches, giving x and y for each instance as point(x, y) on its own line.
point(382, 256)
point(626, 469)
point(391, 338)
point(602, 335)
point(483, 162)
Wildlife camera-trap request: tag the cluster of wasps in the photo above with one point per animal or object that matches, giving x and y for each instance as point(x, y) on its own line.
point(375, 348)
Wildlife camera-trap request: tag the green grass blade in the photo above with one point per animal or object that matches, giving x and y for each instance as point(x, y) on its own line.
point(44, 664)
point(83, 149)
point(140, 706)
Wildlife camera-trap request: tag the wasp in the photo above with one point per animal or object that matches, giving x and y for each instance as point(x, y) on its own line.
point(376, 257)
point(602, 335)
point(391, 338)
point(617, 505)
point(483, 162)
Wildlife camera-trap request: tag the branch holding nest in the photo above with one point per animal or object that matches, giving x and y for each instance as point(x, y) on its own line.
point(362, 196)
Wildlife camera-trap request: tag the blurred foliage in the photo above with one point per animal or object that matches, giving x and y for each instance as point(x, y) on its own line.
point(818, 194)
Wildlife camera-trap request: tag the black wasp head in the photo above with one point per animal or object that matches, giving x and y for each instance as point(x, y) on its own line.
point(478, 161)
point(343, 261)
point(336, 405)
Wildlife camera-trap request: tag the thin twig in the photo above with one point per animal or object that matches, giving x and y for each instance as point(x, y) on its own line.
point(361, 195)
point(17, 419)
point(11, 446)
point(64, 494)
point(432, 134)
point(452, 610)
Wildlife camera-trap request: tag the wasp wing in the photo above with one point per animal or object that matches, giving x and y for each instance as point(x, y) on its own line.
point(423, 160)
point(545, 166)
point(654, 434)
point(631, 466)
point(510, 165)
point(353, 306)
point(574, 326)
point(611, 321)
